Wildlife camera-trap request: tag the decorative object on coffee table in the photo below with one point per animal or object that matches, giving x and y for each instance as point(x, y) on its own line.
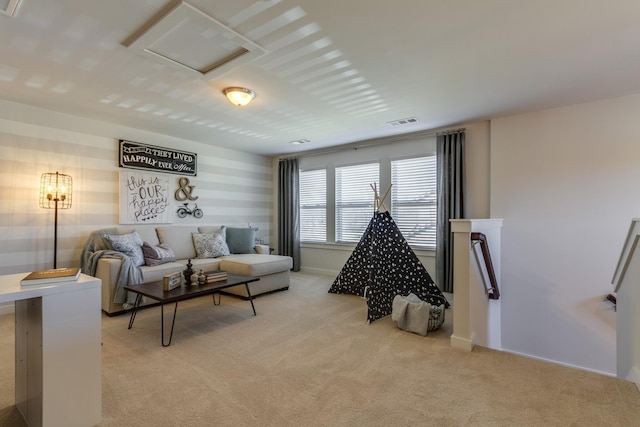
point(194, 279)
point(188, 272)
point(214, 276)
point(171, 281)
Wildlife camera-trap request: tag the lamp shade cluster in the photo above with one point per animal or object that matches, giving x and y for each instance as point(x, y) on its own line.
point(55, 191)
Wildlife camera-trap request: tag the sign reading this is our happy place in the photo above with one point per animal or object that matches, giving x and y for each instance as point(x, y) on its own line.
point(134, 155)
point(144, 198)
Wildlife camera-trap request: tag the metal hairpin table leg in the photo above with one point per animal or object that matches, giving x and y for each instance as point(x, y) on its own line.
point(136, 304)
point(214, 298)
point(175, 309)
point(246, 285)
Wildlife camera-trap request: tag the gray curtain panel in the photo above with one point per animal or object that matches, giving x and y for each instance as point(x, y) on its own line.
point(289, 210)
point(451, 183)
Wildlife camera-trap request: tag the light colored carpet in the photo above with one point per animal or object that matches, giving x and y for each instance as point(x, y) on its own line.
point(310, 359)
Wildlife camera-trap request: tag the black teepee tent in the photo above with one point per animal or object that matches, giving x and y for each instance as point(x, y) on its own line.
point(382, 266)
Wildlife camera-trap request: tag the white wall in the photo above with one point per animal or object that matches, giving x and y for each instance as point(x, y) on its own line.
point(566, 183)
point(234, 188)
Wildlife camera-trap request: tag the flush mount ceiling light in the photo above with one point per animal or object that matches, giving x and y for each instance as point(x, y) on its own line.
point(239, 96)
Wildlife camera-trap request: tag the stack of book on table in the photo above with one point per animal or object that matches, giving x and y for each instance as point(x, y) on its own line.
point(51, 276)
point(215, 276)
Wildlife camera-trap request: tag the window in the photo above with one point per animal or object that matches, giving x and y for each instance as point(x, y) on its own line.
point(313, 205)
point(343, 183)
point(413, 199)
point(354, 200)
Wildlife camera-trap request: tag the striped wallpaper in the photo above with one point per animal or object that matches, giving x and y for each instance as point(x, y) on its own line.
point(233, 188)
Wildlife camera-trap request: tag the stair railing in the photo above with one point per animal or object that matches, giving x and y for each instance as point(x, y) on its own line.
point(492, 292)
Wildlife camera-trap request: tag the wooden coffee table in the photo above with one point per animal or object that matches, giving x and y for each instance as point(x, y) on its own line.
point(155, 291)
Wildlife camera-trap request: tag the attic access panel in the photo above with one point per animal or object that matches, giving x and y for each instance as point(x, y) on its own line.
point(9, 7)
point(190, 39)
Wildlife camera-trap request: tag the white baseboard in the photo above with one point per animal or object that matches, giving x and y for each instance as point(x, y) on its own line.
point(461, 343)
point(634, 376)
point(555, 362)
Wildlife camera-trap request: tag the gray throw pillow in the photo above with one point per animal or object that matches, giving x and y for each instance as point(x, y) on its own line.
point(156, 255)
point(241, 240)
point(129, 244)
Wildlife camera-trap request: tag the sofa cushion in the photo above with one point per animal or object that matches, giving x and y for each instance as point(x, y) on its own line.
point(179, 239)
point(205, 264)
point(129, 244)
point(157, 272)
point(156, 255)
point(241, 240)
point(210, 245)
point(147, 234)
point(256, 264)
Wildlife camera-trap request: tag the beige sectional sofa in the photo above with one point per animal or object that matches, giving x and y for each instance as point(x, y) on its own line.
point(105, 264)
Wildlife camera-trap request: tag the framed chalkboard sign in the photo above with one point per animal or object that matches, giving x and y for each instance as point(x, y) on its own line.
point(144, 198)
point(134, 155)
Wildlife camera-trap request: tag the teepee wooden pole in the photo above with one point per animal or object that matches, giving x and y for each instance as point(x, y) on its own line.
point(379, 202)
point(376, 197)
point(385, 196)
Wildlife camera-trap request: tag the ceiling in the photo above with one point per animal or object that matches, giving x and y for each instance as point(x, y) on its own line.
point(326, 72)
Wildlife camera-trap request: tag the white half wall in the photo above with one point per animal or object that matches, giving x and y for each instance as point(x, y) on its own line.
point(565, 181)
point(627, 286)
point(476, 317)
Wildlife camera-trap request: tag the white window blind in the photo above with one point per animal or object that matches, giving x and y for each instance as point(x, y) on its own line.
point(354, 200)
point(313, 205)
point(413, 199)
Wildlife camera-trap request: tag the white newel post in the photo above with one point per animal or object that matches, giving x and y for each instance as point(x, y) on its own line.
point(476, 318)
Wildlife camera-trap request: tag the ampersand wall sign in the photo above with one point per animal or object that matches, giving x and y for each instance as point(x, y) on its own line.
point(184, 190)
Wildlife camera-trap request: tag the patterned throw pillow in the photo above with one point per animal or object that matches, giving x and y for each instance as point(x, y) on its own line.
point(129, 244)
point(156, 255)
point(210, 245)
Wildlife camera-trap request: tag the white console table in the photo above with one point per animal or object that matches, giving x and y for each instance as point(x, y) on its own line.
point(58, 371)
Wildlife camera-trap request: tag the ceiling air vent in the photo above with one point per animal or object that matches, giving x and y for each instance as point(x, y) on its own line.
point(402, 122)
point(9, 7)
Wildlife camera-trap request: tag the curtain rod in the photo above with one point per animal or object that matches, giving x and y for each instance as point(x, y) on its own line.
point(372, 143)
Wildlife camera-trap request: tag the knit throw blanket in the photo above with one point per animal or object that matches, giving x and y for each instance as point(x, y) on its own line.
point(98, 247)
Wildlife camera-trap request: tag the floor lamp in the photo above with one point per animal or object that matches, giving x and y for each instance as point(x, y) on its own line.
point(55, 193)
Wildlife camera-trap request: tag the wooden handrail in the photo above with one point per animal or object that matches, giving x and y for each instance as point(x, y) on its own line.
point(480, 237)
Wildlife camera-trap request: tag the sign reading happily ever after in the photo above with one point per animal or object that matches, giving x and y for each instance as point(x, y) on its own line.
point(134, 155)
